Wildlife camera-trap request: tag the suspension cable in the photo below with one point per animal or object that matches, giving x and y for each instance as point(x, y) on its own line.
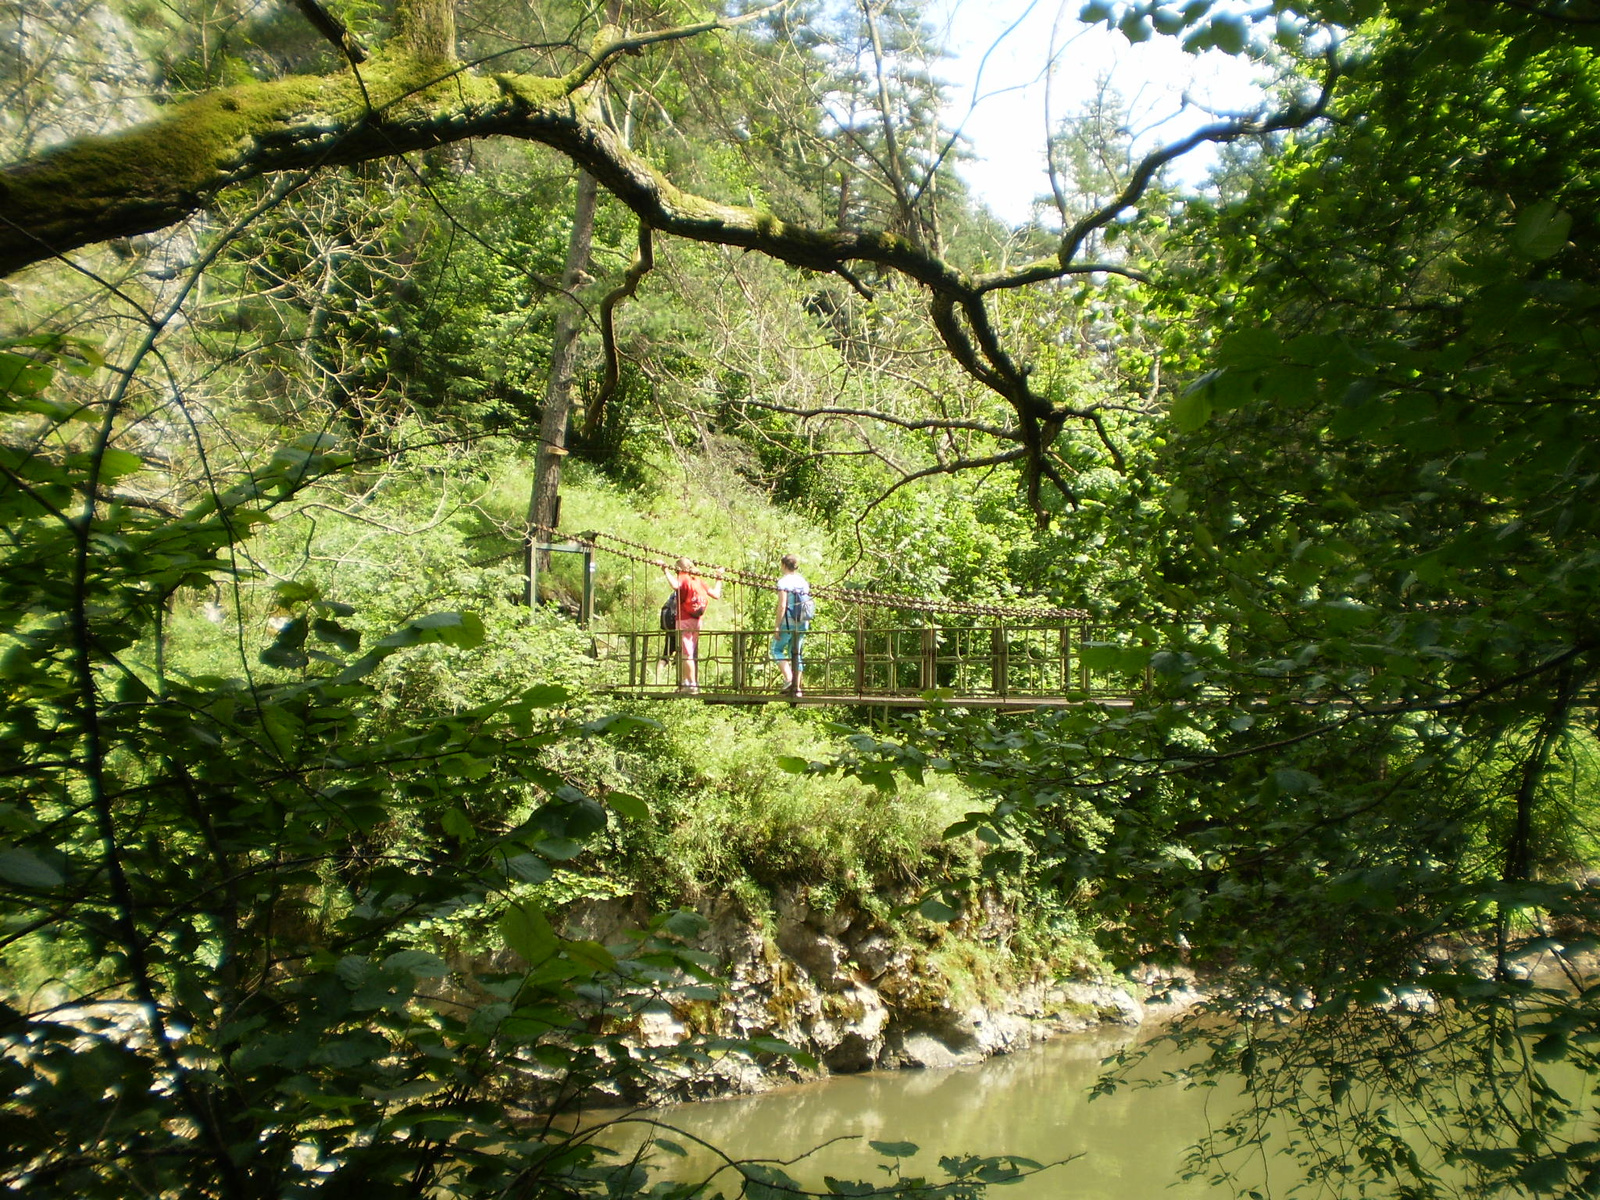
point(652, 556)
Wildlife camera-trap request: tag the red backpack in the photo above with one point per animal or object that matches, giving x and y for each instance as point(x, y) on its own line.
point(691, 597)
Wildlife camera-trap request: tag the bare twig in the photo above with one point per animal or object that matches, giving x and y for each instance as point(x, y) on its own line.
point(330, 27)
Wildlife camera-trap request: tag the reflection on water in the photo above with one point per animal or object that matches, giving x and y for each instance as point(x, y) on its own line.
point(1034, 1104)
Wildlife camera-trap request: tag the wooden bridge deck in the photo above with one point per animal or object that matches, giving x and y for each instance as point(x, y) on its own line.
point(990, 666)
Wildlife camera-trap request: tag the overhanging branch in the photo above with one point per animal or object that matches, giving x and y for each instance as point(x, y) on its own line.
point(642, 264)
point(146, 178)
point(872, 414)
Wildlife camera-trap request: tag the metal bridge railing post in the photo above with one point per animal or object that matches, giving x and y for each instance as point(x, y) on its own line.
point(739, 650)
point(586, 613)
point(1000, 667)
point(861, 656)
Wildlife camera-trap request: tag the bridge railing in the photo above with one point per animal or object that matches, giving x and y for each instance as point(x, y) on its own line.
point(1000, 661)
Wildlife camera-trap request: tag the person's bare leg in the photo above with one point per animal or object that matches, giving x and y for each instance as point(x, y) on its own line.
point(691, 649)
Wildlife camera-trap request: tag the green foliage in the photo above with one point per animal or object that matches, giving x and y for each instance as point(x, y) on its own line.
point(1362, 801)
point(224, 889)
point(941, 541)
point(1416, 567)
point(251, 866)
point(296, 929)
point(727, 816)
point(960, 1177)
point(472, 325)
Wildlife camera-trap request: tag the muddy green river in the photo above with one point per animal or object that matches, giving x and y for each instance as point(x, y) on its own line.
point(1035, 1104)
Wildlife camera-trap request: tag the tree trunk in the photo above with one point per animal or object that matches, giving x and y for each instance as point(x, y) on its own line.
point(427, 28)
point(543, 503)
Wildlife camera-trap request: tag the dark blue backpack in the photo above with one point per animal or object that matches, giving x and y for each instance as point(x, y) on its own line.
point(801, 608)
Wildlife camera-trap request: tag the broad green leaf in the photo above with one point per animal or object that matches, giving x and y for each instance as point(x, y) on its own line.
point(420, 963)
point(1191, 408)
point(936, 909)
point(329, 630)
point(1167, 21)
point(613, 723)
point(463, 630)
point(529, 867)
point(625, 805)
point(850, 1187)
point(771, 1045)
point(352, 1050)
point(685, 923)
point(592, 954)
point(1134, 27)
point(559, 849)
point(573, 816)
point(21, 375)
point(292, 592)
point(287, 650)
point(114, 463)
point(354, 971)
point(527, 931)
point(1228, 33)
point(995, 1172)
point(457, 825)
point(763, 1181)
point(545, 695)
point(26, 869)
point(1542, 229)
point(118, 464)
point(1292, 782)
point(895, 1149)
point(1106, 656)
point(1253, 347)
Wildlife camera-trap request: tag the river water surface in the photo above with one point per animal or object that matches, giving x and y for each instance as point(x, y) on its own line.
point(1035, 1103)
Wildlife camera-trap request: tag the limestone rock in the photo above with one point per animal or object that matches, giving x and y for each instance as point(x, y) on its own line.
point(877, 953)
point(75, 69)
point(853, 995)
point(823, 956)
point(917, 1049)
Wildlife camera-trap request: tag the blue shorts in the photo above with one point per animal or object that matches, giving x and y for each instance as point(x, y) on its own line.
point(781, 644)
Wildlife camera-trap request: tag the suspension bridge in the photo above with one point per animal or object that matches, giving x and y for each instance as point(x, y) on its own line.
point(863, 647)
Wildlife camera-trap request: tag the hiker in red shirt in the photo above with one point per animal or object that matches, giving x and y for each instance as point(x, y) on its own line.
point(693, 595)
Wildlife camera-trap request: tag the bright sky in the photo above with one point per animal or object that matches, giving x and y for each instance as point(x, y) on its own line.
point(1007, 129)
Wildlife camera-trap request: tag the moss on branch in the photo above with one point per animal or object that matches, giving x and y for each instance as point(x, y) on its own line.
point(150, 176)
point(143, 179)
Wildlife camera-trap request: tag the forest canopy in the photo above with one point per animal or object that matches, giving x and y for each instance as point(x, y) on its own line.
point(317, 314)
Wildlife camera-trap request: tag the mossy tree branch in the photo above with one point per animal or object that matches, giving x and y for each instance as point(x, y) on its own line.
point(413, 96)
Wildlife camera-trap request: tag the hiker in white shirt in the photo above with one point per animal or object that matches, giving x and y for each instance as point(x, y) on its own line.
point(790, 623)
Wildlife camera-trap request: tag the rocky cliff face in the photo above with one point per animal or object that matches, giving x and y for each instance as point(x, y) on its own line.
point(70, 68)
point(841, 987)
